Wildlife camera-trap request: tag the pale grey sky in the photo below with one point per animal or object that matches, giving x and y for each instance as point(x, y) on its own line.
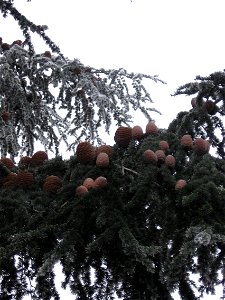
point(176, 40)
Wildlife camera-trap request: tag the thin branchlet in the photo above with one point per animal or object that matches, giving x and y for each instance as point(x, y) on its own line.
point(51, 98)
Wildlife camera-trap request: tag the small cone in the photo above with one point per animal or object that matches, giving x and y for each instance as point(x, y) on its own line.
point(102, 160)
point(38, 158)
point(85, 153)
point(25, 161)
point(150, 156)
point(10, 180)
point(17, 42)
point(163, 145)
point(104, 148)
point(54, 179)
point(201, 146)
point(170, 161)
point(52, 184)
point(209, 106)
point(7, 162)
point(6, 116)
point(151, 128)
point(25, 179)
point(180, 184)
point(123, 136)
point(47, 54)
point(137, 133)
point(81, 190)
point(160, 154)
point(5, 46)
point(186, 141)
point(101, 182)
point(89, 183)
point(194, 102)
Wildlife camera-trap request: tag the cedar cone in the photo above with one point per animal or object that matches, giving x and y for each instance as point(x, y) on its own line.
point(7, 162)
point(150, 156)
point(104, 148)
point(52, 184)
point(17, 42)
point(25, 179)
point(180, 184)
point(81, 190)
point(123, 136)
point(89, 183)
point(5, 46)
point(186, 141)
point(102, 160)
point(163, 145)
point(170, 161)
point(54, 180)
point(38, 158)
point(160, 155)
point(101, 181)
point(85, 153)
point(209, 106)
point(10, 180)
point(6, 116)
point(50, 188)
point(47, 54)
point(25, 161)
point(137, 133)
point(201, 146)
point(11, 176)
point(194, 102)
point(151, 128)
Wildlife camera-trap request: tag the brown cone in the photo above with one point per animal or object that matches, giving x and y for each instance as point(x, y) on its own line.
point(85, 153)
point(123, 136)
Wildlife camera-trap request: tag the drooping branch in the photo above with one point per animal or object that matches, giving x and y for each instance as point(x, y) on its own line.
point(50, 98)
point(27, 26)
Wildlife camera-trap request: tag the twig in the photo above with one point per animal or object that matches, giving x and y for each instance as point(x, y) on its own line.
point(127, 169)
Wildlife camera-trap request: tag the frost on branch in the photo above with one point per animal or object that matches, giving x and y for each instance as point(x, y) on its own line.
point(50, 98)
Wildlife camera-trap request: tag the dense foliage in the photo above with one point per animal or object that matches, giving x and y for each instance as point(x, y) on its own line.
point(138, 217)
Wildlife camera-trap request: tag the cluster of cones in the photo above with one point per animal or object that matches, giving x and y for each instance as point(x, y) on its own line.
point(124, 135)
point(209, 105)
point(90, 183)
point(87, 153)
point(199, 145)
point(6, 46)
point(52, 184)
point(24, 178)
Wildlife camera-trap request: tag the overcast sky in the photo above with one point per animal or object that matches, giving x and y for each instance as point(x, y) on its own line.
point(174, 39)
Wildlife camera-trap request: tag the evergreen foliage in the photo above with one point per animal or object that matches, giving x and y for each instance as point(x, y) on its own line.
point(140, 234)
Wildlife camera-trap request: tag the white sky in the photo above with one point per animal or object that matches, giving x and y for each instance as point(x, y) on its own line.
point(174, 39)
